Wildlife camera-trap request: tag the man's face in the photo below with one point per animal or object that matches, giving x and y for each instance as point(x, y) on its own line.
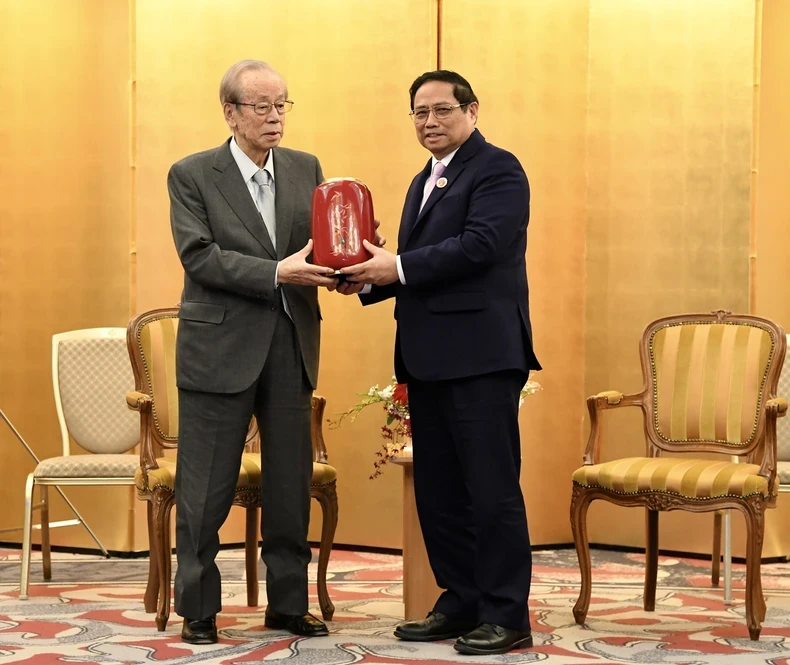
point(442, 136)
point(257, 134)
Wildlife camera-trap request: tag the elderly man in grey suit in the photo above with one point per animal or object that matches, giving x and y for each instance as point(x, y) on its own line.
point(247, 344)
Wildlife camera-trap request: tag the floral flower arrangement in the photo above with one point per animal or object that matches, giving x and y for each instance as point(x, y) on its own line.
point(396, 432)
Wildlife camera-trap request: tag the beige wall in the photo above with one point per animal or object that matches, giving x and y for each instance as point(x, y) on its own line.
point(64, 225)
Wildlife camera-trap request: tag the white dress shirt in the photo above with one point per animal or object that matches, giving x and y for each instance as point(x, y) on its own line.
point(248, 169)
point(444, 160)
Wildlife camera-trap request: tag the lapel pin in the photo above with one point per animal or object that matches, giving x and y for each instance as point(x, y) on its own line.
point(441, 182)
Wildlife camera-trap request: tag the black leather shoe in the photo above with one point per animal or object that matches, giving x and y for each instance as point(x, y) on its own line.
point(488, 638)
point(436, 626)
point(199, 631)
point(306, 624)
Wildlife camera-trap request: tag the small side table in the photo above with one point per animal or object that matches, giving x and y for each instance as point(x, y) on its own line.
point(419, 586)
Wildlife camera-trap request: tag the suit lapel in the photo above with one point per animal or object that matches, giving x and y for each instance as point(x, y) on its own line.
point(283, 200)
point(232, 186)
point(411, 208)
point(451, 173)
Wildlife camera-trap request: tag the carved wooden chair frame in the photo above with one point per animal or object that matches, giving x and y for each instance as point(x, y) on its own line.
point(760, 449)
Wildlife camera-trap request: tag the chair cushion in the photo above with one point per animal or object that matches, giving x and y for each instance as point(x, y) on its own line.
point(249, 474)
point(691, 478)
point(89, 466)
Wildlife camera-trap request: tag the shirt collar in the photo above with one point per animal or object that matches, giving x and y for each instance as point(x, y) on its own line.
point(247, 167)
point(444, 160)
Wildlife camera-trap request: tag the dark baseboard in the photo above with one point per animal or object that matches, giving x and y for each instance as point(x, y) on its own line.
point(391, 550)
point(115, 554)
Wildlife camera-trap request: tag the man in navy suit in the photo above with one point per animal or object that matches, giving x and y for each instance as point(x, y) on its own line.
point(464, 347)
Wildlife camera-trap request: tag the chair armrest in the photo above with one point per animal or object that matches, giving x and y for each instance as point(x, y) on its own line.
point(143, 404)
point(774, 408)
point(780, 403)
point(608, 399)
point(137, 401)
point(611, 399)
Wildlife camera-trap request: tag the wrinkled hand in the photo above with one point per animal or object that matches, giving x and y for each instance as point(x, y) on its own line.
point(379, 240)
point(295, 269)
point(381, 269)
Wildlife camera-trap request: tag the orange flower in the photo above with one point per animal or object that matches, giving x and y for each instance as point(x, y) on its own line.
point(401, 394)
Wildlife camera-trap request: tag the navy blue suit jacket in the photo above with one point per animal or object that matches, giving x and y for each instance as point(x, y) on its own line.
point(464, 310)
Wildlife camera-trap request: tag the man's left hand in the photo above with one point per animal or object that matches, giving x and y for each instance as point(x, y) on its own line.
point(381, 269)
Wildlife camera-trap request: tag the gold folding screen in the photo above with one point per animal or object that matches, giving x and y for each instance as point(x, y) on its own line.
point(64, 226)
point(527, 62)
point(632, 118)
point(348, 66)
point(668, 155)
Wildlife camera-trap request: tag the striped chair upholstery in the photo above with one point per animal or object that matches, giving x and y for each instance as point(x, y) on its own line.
point(249, 476)
point(707, 383)
point(157, 346)
point(710, 388)
point(691, 478)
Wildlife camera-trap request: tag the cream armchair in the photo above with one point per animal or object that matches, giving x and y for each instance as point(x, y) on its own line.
point(91, 375)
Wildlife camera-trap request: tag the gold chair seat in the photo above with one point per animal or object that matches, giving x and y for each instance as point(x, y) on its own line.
point(690, 478)
point(249, 474)
point(89, 466)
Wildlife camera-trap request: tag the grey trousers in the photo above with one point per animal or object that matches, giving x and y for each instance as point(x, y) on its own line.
point(212, 433)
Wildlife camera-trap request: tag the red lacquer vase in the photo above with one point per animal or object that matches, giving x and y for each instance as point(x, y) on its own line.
point(342, 219)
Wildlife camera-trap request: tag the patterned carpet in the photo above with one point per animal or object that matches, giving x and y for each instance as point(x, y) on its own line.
point(92, 613)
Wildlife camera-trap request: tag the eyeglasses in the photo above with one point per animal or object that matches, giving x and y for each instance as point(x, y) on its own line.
point(264, 108)
point(439, 112)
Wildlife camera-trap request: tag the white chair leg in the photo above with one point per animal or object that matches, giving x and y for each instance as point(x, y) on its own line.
point(46, 559)
point(27, 533)
point(728, 557)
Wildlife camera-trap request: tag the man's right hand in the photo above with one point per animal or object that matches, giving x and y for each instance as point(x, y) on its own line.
point(295, 269)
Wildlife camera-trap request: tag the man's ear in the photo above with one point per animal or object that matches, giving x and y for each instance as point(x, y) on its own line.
point(227, 111)
point(473, 109)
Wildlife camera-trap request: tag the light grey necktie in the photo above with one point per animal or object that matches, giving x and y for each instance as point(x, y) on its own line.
point(264, 199)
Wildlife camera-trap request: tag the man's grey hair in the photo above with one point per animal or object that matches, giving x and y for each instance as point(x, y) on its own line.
point(229, 88)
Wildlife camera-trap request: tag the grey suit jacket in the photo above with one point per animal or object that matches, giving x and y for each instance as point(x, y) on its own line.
point(229, 303)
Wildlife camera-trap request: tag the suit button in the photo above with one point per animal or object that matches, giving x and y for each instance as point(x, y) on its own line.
point(274, 308)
